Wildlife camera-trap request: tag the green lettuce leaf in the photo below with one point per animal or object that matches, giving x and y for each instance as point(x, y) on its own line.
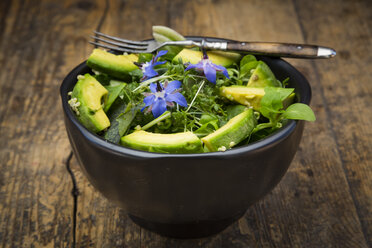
point(299, 111)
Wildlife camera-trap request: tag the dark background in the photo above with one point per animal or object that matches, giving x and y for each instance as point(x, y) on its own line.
point(324, 200)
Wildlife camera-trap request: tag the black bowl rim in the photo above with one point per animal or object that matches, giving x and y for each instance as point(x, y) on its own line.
point(271, 140)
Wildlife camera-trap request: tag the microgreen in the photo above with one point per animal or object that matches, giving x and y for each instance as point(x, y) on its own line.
point(273, 109)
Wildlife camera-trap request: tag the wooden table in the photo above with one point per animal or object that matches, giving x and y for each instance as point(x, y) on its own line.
point(325, 199)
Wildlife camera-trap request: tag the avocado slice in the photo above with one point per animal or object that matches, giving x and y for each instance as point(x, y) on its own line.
point(263, 76)
point(86, 99)
point(186, 142)
point(117, 66)
point(250, 96)
point(232, 133)
point(225, 59)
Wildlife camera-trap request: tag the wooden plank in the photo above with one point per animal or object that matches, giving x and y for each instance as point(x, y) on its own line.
point(39, 44)
point(346, 89)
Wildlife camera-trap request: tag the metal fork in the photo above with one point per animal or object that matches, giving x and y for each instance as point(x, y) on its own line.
point(257, 48)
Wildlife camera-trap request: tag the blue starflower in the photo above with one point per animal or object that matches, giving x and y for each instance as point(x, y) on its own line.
point(210, 69)
point(148, 67)
point(162, 96)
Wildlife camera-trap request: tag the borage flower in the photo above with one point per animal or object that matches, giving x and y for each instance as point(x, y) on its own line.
point(163, 96)
point(210, 69)
point(148, 67)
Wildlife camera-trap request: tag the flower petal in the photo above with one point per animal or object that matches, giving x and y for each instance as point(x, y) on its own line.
point(148, 100)
point(159, 107)
point(195, 66)
point(160, 53)
point(153, 87)
point(172, 86)
point(223, 70)
point(148, 109)
point(170, 104)
point(149, 72)
point(178, 98)
point(210, 73)
point(147, 94)
point(158, 63)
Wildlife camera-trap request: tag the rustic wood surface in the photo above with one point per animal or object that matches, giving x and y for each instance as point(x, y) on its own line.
point(324, 200)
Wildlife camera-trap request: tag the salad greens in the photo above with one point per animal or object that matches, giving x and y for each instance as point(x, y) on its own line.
point(201, 102)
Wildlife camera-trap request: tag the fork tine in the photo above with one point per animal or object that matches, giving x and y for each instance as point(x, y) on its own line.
point(115, 48)
point(119, 44)
point(122, 40)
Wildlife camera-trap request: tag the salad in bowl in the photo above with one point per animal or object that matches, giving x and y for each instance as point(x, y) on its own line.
point(182, 100)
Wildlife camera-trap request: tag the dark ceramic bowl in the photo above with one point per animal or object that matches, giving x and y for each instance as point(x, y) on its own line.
point(186, 195)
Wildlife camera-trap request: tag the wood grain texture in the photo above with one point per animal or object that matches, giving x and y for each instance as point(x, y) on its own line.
point(347, 93)
point(40, 42)
point(324, 200)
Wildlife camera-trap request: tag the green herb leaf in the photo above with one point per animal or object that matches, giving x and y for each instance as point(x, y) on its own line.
point(284, 83)
point(247, 63)
point(207, 128)
point(299, 111)
point(114, 90)
point(247, 59)
point(112, 133)
point(136, 74)
point(103, 78)
point(272, 101)
point(125, 120)
point(117, 108)
point(209, 125)
point(247, 68)
point(144, 57)
point(120, 124)
point(234, 110)
point(164, 116)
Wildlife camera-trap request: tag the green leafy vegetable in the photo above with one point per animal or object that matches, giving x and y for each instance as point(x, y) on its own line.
point(247, 59)
point(103, 78)
point(234, 110)
point(299, 111)
point(144, 57)
point(114, 90)
point(120, 124)
point(247, 64)
point(272, 101)
point(209, 124)
point(246, 70)
point(272, 108)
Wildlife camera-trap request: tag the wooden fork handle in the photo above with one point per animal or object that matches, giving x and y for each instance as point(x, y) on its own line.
point(282, 49)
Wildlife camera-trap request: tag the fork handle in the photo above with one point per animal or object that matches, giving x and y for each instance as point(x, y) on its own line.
point(282, 49)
